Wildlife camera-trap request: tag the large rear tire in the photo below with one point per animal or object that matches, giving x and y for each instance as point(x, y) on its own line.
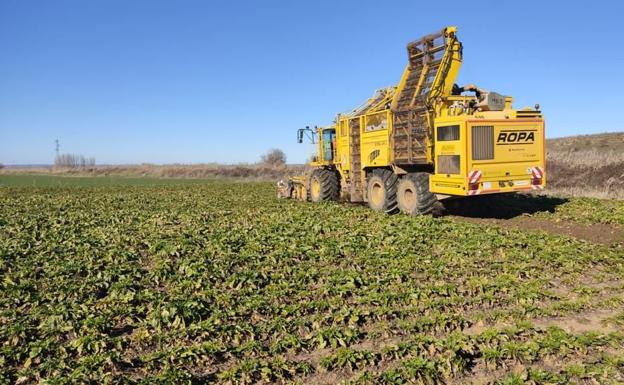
point(414, 197)
point(324, 185)
point(382, 191)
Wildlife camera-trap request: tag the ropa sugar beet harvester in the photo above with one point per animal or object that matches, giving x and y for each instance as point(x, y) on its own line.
point(424, 140)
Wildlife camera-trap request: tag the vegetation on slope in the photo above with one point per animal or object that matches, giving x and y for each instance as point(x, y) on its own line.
point(587, 165)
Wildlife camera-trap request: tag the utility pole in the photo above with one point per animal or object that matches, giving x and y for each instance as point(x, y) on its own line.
point(57, 148)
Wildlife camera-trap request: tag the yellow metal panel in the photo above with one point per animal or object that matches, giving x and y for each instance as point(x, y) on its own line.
point(375, 139)
point(342, 145)
point(518, 148)
point(443, 83)
point(450, 184)
point(375, 149)
point(518, 145)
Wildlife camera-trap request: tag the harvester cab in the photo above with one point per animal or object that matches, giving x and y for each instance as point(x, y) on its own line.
point(424, 140)
point(324, 138)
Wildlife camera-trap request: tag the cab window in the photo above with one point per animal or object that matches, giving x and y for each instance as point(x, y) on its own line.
point(329, 141)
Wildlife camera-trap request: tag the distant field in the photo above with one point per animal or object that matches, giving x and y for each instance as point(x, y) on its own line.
point(219, 282)
point(585, 165)
point(255, 172)
point(28, 180)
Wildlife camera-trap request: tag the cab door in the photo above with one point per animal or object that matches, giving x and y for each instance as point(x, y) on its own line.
point(450, 140)
point(343, 153)
point(329, 144)
point(450, 158)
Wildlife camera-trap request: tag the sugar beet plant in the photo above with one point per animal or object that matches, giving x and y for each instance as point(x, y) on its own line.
point(222, 283)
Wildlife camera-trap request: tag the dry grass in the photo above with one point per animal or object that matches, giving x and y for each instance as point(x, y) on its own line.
point(611, 141)
point(587, 165)
point(210, 170)
point(586, 158)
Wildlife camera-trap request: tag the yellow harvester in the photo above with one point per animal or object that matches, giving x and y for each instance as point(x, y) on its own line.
point(424, 140)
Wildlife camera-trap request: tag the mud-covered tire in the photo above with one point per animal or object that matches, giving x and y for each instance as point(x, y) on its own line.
point(413, 195)
point(324, 186)
point(381, 191)
point(284, 190)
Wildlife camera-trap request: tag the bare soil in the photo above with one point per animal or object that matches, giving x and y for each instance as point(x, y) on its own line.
point(596, 233)
point(583, 322)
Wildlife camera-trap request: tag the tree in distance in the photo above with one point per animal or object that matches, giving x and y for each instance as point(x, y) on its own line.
point(274, 157)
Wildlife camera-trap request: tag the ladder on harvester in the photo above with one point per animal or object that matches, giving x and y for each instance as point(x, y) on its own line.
point(378, 102)
point(428, 59)
point(356, 160)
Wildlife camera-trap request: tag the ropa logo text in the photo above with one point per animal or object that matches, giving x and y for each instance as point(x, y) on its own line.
point(515, 137)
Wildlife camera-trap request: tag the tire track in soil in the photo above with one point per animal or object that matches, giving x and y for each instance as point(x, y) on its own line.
point(596, 233)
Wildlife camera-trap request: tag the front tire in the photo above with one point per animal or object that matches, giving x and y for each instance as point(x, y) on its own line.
point(324, 185)
point(414, 197)
point(382, 191)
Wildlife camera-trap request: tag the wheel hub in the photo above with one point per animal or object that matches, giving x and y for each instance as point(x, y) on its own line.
point(377, 193)
point(315, 187)
point(409, 197)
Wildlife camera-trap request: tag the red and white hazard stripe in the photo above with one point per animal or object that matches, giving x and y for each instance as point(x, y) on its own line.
point(473, 182)
point(474, 176)
point(537, 172)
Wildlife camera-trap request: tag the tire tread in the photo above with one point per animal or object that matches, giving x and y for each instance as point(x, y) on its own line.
point(330, 184)
point(426, 201)
point(391, 183)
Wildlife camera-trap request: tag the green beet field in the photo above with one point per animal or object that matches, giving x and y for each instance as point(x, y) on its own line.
point(220, 282)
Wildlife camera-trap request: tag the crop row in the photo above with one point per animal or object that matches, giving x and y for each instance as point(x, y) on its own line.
point(220, 282)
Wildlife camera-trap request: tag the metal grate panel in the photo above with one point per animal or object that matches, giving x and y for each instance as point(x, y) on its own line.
point(482, 142)
point(446, 133)
point(448, 164)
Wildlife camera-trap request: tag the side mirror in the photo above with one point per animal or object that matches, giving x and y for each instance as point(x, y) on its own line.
point(305, 132)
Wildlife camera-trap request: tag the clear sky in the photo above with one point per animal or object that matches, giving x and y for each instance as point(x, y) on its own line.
point(223, 81)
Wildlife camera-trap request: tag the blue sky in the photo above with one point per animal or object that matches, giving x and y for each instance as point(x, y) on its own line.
point(223, 81)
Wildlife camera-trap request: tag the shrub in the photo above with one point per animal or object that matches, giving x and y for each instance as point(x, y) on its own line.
point(73, 161)
point(274, 157)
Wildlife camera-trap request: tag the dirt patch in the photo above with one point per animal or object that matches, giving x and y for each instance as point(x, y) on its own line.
point(480, 326)
point(484, 375)
point(321, 377)
point(584, 322)
point(596, 233)
point(313, 357)
point(598, 320)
